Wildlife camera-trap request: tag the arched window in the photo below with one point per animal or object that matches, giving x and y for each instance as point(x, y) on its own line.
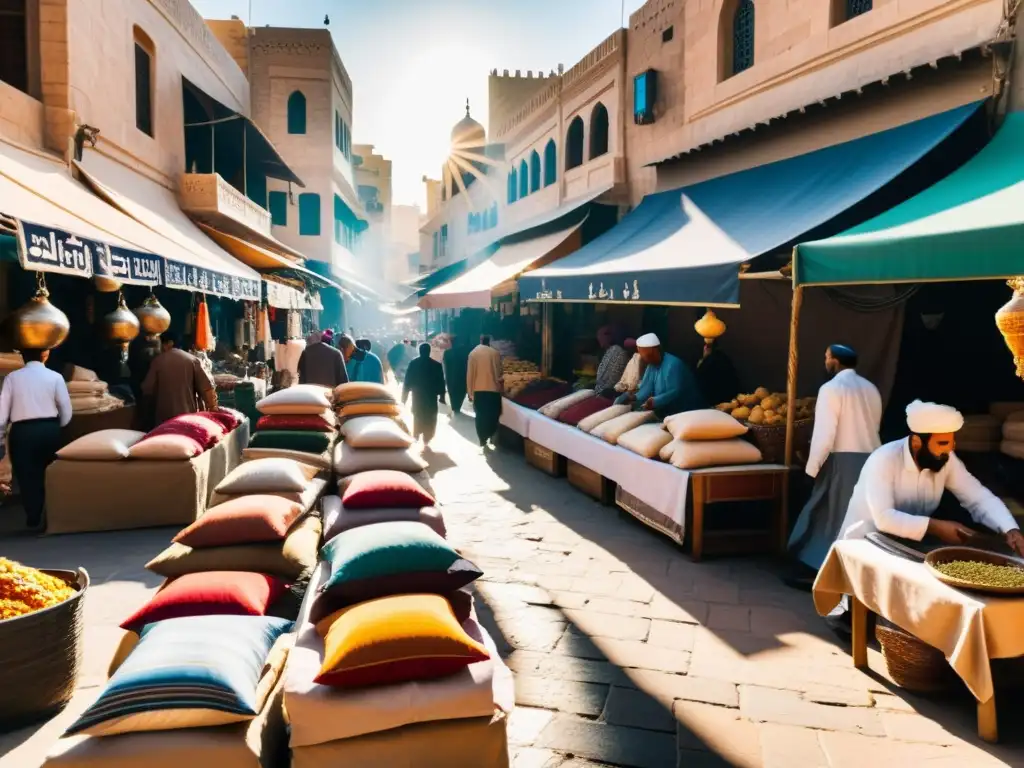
point(743, 37)
point(534, 171)
point(296, 113)
point(524, 179)
point(574, 144)
point(598, 131)
point(513, 186)
point(550, 163)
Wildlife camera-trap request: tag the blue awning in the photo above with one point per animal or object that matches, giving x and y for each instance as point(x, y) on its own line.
point(684, 246)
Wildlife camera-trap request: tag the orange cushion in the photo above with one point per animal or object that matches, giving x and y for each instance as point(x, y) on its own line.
point(361, 390)
point(245, 520)
point(368, 408)
point(393, 640)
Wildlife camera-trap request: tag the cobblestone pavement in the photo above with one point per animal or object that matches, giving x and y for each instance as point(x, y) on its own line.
point(625, 652)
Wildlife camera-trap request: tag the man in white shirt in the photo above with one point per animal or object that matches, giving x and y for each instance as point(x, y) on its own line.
point(902, 483)
point(846, 422)
point(35, 403)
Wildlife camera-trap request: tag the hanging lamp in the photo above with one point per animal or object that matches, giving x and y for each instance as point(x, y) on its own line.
point(1010, 322)
point(38, 324)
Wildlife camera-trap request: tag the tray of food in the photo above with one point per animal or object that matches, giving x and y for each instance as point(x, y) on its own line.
point(977, 570)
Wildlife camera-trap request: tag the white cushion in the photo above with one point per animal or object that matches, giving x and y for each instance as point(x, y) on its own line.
point(298, 400)
point(555, 408)
point(715, 453)
point(647, 440)
point(594, 420)
point(376, 432)
point(105, 445)
point(704, 425)
point(613, 429)
point(350, 461)
point(166, 448)
point(267, 476)
point(318, 460)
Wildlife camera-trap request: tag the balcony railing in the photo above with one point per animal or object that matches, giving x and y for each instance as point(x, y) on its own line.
point(207, 197)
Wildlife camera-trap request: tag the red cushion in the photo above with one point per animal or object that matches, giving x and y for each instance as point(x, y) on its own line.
point(304, 422)
point(385, 489)
point(539, 397)
point(236, 593)
point(226, 417)
point(580, 411)
point(201, 428)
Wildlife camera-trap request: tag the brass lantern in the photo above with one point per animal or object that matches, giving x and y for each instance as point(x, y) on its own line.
point(38, 324)
point(106, 284)
point(152, 316)
point(121, 326)
point(1010, 322)
point(709, 327)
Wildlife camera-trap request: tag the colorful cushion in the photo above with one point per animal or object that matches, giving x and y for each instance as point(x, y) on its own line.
point(707, 424)
point(611, 430)
point(299, 399)
point(385, 488)
point(305, 498)
point(226, 417)
point(576, 413)
point(368, 408)
point(291, 558)
point(395, 639)
point(165, 448)
point(337, 519)
point(555, 408)
point(389, 559)
point(318, 422)
point(376, 432)
point(292, 440)
point(211, 592)
point(322, 461)
point(715, 453)
point(361, 390)
point(590, 423)
point(535, 398)
point(646, 440)
point(247, 520)
point(267, 476)
point(105, 445)
point(203, 429)
point(350, 461)
point(188, 673)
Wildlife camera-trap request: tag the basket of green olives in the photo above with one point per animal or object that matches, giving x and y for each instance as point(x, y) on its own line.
point(977, 570)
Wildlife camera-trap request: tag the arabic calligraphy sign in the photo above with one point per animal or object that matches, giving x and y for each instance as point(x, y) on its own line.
point(128, 266)
point(44, 249)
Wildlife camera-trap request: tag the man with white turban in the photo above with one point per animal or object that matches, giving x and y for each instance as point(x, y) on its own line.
point(902, 484)
point(668, 386)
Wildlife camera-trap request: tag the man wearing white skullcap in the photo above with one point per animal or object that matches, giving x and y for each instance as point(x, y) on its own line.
point(902, 484)
point(667, 386)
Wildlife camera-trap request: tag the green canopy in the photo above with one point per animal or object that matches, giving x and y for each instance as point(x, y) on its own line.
point(968, 226)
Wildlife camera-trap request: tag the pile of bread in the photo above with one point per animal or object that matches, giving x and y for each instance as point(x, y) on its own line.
point(765, 408)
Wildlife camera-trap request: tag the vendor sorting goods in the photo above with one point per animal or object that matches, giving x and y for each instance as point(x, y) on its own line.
point(668, 386)
point(613, 363)
point(320, 363)
point(35, 402)
point(362, 364)
point(483, 383)
point(177, 382)
point(847, 418)
point(456, 361)
point(425, 380)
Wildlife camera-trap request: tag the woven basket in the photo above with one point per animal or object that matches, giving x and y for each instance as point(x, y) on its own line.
point(771, 441)
point(913, 665)
point(40, 656)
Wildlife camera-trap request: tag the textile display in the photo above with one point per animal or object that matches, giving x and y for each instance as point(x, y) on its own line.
point(337, 519)
point(320, 422)
point(295, 400)
point(697, 454)
point(647, 440)
point(534, 398)
point(376, 432)
point(322, 461)
point(611, 430)
point(204, 338)
point(350, 461)
point(306, 498)
point(969, 628)
point(292, 440)
point(382, 489)
point(106, 445)
point(576, 413)
point(707, 424)
point(555, 408)
point(267, 476)
point(229, 418)
point(248, 520)
point(205, 430)
point(168, 447)
point(589, 423)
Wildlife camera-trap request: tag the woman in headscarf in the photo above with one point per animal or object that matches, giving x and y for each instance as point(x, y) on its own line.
point(613, 363)
point(425, 380)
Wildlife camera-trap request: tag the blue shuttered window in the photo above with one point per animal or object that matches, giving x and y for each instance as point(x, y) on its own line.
point(309, 214)
point(534, 171)
point(278, 209)
point(296, 113)
point(550, 163)
point(524, 179)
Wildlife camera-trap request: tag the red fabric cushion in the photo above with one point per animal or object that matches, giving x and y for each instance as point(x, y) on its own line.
point(385, 489)
point(245, 520)
point(203, 429)
point(306, 422)
point(580, 411)
point(236, 593)
point(539, 397)
point(226, 417)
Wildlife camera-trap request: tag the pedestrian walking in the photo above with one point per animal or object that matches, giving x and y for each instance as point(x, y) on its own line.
point(362, 364)
point(456, 361)
point(425, 381)
point(177, 382)
point(35, 402)
point(483, 384)
point(320, 363)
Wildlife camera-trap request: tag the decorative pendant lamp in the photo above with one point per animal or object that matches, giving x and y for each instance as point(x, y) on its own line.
point(38, 324)
point(709, 327)
point(121, 326)
point(1010, 322)
point(106, 284)
point(153, 318)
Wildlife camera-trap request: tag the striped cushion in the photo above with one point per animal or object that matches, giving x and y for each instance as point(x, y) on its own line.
point(186, 673)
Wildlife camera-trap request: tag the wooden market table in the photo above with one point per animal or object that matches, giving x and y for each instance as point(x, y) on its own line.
point(969, 628)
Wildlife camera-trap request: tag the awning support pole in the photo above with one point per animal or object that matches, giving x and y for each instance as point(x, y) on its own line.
point(546, 338)
point(791, 377)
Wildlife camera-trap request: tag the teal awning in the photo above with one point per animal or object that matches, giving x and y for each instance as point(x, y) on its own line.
point(968, 226)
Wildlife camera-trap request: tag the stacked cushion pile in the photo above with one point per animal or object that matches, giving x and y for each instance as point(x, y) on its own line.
point(297, 423)
point(707, 438)
point(363, 398)
point(374, 437)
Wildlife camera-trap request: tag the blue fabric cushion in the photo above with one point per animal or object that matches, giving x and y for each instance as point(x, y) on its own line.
point(188, 672)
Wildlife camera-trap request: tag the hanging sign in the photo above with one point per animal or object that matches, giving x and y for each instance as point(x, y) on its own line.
point(190, 278)
point(128, 266)
point(44, 249)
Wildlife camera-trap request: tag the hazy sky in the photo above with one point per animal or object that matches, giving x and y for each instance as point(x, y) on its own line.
point(414, 63)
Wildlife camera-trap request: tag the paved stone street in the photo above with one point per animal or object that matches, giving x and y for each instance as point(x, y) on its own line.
point(625, 652)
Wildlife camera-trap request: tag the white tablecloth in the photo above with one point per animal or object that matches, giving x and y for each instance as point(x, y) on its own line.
point(517, 418)
point(656, 483)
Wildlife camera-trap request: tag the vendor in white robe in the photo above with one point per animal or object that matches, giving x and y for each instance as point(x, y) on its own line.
point(846, 422)
point(902, 483)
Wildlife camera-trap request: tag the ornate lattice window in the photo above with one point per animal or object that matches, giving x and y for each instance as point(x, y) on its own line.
point(857, 7)
point(743, 37)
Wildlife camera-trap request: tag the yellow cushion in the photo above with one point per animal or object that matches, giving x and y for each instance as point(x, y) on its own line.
point(361, 390)
point(368, 409)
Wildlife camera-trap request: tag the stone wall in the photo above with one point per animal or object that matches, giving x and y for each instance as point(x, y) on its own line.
point(22, 118)
point(234, 36)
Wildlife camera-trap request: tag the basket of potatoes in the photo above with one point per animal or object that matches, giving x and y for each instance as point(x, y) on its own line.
point(764, 413)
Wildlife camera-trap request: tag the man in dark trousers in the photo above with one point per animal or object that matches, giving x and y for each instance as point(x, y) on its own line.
point(177, 382)
point(455, 361)
point(35, 402)
point(425, 380)
point(322, 364)
point(483, 383)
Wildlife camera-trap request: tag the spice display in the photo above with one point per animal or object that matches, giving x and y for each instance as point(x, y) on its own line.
point(981, 573)
point(24, 589)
